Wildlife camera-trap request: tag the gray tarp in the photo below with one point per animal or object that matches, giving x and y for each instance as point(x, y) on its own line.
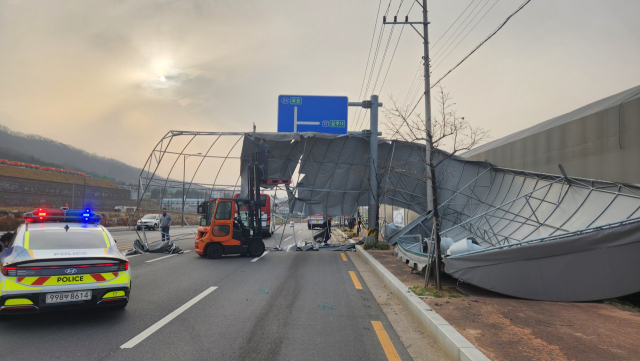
point(333, 171)
point(585, 267)
point(498, 207)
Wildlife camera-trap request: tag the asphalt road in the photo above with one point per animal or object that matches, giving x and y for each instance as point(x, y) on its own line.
point(185, 235)
point(282, 306)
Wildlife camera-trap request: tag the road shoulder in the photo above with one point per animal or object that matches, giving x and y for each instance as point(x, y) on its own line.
point(415, 339)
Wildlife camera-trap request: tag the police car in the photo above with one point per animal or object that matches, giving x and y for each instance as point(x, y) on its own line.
point(61, 259)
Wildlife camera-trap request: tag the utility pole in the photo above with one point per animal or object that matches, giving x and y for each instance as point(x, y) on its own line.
point(430, 176)
point(373, 165)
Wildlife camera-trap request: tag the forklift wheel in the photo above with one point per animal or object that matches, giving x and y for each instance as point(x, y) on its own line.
point(256, 248)
point(215, 250)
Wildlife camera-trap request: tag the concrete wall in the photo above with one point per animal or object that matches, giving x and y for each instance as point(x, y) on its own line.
point(588, 147)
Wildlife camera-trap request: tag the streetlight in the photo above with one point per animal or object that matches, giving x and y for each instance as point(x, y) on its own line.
point(184, 172)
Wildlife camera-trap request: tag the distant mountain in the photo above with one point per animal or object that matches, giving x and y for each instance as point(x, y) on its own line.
point(34, 149)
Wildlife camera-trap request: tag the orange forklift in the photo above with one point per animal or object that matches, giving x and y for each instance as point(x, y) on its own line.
point(233, 225)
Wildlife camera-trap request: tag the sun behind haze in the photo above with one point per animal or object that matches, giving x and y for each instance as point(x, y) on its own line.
point(111, 77)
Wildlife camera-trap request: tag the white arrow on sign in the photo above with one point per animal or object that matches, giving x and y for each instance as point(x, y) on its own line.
point(296, 122)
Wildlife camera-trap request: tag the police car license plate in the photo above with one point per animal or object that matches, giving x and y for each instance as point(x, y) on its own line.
point(68, 296)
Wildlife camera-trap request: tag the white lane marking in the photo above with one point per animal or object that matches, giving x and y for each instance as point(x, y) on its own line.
point(156, 326)
point(134, 255)
point(159, 258)
point(264, 254)
point(287, 238)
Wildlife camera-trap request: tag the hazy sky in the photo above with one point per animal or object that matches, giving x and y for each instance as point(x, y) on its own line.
point(88, 73)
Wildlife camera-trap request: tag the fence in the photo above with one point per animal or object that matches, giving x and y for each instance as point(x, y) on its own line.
point(24, 192)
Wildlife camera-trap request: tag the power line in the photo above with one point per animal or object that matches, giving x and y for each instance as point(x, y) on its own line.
point(443, 34)
point(384, 55)
point(473, 51)
point(373, 36)
point(418, 89)
point(484, 41)
point(394, 50)
point(458, 28)
point(467, 34)
point(375, 58)
point(415, 77)
point(435, 58)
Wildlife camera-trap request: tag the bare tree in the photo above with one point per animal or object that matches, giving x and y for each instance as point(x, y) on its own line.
point(450, 133)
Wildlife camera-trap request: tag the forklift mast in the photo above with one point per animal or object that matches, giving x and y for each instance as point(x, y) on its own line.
point(254, 216)
point(255, 201)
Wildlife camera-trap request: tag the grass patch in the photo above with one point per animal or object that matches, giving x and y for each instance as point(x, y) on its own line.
point(627, 303)
point(432, 292)
point(377, 246)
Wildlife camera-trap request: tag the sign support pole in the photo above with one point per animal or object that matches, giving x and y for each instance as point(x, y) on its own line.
point(373, 159)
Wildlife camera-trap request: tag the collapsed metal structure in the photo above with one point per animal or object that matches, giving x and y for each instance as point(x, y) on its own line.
point(529, 235)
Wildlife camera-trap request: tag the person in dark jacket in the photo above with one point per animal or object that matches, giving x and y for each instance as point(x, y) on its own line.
point(326, 225)
point(165, 223)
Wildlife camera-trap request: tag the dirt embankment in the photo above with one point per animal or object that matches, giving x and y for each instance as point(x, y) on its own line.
point(508, 329)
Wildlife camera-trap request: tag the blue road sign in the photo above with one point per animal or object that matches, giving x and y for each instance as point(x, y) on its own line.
point(297, 114)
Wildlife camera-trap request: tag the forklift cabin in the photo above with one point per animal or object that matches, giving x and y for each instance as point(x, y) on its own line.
point(233, 225)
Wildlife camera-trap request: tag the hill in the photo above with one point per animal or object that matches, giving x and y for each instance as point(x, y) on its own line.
point(35, 149)
point(11, 171)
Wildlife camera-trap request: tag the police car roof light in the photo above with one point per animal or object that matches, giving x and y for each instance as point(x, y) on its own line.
point(60, 215)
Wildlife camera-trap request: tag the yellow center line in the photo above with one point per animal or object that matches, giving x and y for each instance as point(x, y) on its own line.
point(385, 341)
point(344, 258)
point(355, 280)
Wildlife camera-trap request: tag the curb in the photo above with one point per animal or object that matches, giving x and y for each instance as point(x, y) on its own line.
point(448, 338)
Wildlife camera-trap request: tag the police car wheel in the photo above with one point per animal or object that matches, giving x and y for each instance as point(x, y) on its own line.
point(155, 227)
point(139, 228)
point(215, 250)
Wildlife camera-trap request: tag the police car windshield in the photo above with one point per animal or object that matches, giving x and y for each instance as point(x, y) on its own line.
point(59, 239)
point(149, 216)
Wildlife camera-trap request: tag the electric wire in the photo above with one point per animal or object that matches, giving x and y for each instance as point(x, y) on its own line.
point(444, 50)
point(373, 36)
point(412, 93)
point(473, 51)
point(467, 34)
point(394, 51)
point(415, 77)
point(445, 33)
point(375, 58)
point(381, 67)
point(483, 42)
point(456, 31)
point(384, 55)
